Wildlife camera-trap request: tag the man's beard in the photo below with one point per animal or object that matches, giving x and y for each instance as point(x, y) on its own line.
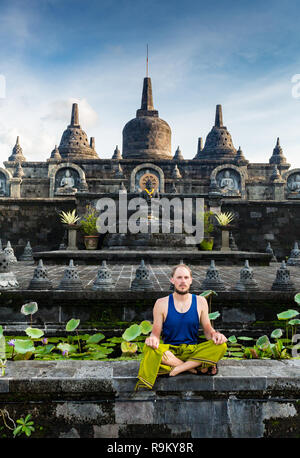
point(181, 292)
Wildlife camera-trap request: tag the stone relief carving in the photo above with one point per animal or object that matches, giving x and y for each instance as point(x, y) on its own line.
point(293, 183)
point(2, 184)
point(229, 182)
point(67, 181)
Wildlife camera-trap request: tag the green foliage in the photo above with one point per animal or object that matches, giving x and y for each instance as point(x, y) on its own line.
point(88, 222)
point(207, 216)
point(29, 309)
point(208, 293)
point(72, 324)
point(25, 426)
point(35, 333)
point(133, 333)
point(24, 346)
point(94, 339)
point(224, 219)
point(288, 314)
point(297, 298)
point(69, 217)
point(213, 315)
point(277, 333)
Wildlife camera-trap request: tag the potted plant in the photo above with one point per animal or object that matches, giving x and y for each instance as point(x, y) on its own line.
point(69, 219)
point(88, 224)
point(208, 241)
point(224, 220)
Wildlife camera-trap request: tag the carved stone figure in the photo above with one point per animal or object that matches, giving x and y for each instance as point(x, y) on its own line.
point(227, 183)
point(67, 181)
point(294, 183)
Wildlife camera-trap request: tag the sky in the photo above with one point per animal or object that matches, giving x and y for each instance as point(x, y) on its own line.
point(242, 54)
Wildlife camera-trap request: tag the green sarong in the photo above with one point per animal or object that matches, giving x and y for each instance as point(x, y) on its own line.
point(207, 352)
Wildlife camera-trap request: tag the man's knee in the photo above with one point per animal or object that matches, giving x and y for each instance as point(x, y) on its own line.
point(160, 348)
point(221, 348)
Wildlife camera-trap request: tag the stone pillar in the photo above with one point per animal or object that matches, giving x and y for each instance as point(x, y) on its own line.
point(278, 191)
point(225, 241)
point(72, 236)
point(15, 187)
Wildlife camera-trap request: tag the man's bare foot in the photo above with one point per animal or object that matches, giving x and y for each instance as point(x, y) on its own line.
point(175, 371)
point(213, 370)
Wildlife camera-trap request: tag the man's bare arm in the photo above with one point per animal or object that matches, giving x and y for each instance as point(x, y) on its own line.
point(153, 339)
point(209, 332)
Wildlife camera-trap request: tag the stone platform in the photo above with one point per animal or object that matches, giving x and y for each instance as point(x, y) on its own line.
point(156, 257)
point(94, 399)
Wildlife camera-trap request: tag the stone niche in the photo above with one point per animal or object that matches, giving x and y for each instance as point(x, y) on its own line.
point(230, 180)
point(66, 179)
point(145, 172)
point(4, 183)
point(293, 184)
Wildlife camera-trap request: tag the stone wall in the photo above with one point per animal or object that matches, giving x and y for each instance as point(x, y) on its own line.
point(94, 399)
point(260, 222)
point(34, 220)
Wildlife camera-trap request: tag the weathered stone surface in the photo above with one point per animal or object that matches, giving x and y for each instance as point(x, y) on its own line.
point(246, 399)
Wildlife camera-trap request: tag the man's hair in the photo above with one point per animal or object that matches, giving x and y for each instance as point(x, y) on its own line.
point(180, 265)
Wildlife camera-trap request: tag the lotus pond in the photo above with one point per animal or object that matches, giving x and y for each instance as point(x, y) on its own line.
point(76, 345)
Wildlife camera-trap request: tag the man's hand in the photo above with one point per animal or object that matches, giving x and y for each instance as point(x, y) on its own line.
point(152, 342)
point(218, 338)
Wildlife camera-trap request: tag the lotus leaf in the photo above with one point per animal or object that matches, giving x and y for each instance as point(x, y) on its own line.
point(94, 339)
point(276, 334)
point(287, 314)
point(263, 342)
point(214, 315)
point(208, 292)
point(232, 339)
point(72, 325)
point(132, 332)
point(29, 309)
point(294, 322)
point(128, 347)
point(23, 346)
point(35, 333)
point(146, 327)
point(297, 298)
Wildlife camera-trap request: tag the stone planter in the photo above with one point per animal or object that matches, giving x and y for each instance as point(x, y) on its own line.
point(91, 241)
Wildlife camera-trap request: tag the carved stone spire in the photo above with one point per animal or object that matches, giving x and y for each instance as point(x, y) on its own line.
point(74, 143)
point(75, 116)
point(277, 156)
point(147, 107)
point(219, 116)
point(17, 153)
point(55, 155)
point(218, 144)
point(147, 136)
point(117, 154)
point(199, 148)
point(178, 155)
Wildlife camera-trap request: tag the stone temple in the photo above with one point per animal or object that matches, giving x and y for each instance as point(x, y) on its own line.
point(264, 196)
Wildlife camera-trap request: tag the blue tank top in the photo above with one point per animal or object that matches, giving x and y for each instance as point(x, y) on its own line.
point(180, 328)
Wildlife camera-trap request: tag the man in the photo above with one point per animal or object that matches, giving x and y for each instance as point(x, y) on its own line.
point(178, 317)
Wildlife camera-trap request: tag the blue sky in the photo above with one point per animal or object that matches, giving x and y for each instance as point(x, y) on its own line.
point(242, 54)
